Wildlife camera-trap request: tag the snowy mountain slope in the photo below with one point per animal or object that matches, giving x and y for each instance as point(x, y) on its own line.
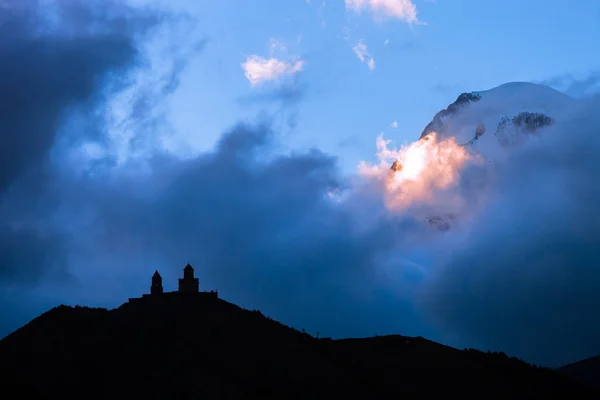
point(488, 120)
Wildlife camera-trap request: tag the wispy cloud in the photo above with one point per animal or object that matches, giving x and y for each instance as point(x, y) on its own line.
point(259, 70)
point(277, 46)
point(361, 51)
point(576, 86)
point(403, 10)
point(394, 124)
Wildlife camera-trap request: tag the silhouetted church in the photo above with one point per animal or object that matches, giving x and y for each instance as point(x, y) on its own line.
point(187, 285)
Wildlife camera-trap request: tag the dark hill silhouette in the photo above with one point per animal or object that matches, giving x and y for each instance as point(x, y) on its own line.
point(587, 371)
point(188, 346)
point(191, 345)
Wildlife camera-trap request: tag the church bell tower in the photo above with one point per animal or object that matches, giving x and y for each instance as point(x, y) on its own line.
point(156, 287)
point(189, 284)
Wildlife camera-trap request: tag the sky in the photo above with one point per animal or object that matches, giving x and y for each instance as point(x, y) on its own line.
point(144, 134)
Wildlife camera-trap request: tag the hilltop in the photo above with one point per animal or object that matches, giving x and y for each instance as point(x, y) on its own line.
point(189, 345)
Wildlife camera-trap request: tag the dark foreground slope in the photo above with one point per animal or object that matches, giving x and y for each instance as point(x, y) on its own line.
point(190, 347)
point(587, 371)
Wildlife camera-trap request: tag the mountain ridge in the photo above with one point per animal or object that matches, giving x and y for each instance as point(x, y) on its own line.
point(183, 346)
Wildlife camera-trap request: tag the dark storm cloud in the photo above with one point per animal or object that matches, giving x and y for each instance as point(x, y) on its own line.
point(53, 57)
point(527, 279)
point(56, 56)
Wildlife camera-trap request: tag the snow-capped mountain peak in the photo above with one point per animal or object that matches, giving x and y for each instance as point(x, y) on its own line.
point(499, 117)
point(488, 123)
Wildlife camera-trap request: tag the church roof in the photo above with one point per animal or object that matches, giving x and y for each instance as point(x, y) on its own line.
point(156, 274)
point(188, 267)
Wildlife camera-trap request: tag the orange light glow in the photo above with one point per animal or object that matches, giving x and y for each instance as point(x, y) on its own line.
point(418, 169)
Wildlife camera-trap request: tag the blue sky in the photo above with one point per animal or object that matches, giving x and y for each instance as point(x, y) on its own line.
point(419, 67)
point(217, 133)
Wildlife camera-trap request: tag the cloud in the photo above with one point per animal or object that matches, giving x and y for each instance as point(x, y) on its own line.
point(394, 124)
point(277, 46)
point(360, 49)
point(64, 65)
point(404, 10)
point(285, 91)
point(52, 61)
point(576, 86)
point(524, 279)
point(516, 270)
point(259, 70)
point(75, 63)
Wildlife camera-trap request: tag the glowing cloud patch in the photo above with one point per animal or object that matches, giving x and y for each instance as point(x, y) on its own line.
point(259, 70)
point(413, 173)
